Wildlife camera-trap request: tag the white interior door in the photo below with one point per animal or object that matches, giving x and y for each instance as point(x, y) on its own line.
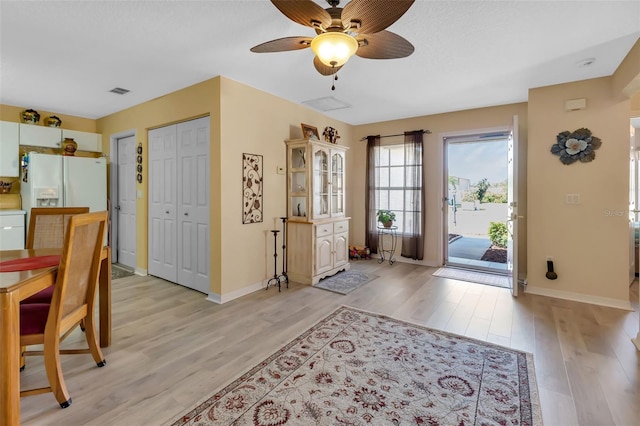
point(162, 203)
point(193, 204)
point(512, 202)
point(125, 207)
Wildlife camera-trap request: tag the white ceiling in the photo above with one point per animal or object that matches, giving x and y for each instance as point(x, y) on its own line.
point(65, 56)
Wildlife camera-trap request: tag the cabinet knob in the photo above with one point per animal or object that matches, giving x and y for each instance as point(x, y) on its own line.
point(167, 212)
point(186, 214)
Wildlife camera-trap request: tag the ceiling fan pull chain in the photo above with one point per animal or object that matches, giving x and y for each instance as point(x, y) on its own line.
point(335, 78)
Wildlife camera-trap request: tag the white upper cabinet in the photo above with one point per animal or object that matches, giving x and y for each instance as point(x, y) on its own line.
point(86, 141)
point(9, 146)
point(31, 134)
point(52, 137)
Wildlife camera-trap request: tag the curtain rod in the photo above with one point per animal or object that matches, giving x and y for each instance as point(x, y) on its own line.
point(428, 132)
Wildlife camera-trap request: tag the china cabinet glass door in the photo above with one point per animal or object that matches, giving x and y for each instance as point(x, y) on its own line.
point(298, 182)
point(337, 184)
point(320, 183)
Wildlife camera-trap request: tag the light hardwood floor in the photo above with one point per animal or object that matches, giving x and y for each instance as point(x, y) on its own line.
point(171, 347)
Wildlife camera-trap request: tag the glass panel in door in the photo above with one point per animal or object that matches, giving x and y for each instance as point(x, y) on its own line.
point(337, 184)
point(320, 183)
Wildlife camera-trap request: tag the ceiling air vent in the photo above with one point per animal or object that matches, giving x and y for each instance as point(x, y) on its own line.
point(328, 103)
point(119, 91)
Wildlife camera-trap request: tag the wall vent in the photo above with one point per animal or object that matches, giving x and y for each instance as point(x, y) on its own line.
point(119, 91)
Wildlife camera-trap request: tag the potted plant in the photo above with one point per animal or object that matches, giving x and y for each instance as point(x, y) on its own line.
point(386, 217)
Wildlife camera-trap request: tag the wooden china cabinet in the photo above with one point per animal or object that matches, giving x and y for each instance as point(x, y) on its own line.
point(317, 229)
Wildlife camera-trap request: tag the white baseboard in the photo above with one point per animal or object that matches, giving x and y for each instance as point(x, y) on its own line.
point(220, 299)
point(579, 297)
point(140, 271)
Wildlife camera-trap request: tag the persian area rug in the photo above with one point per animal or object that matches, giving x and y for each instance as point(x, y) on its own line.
point(472, 276)
point(357, 368)
point(345, 282)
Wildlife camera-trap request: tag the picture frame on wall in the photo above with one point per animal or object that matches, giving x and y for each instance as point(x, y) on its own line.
point(310, 132)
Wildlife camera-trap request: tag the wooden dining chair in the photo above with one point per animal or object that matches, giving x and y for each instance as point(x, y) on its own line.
point(47, 228)
point(73, 301)
point(47, 225)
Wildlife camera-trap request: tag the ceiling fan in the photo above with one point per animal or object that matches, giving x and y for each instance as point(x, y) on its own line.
point(358, 28)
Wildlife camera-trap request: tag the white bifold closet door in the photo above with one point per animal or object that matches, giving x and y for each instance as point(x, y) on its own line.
point(179, 203)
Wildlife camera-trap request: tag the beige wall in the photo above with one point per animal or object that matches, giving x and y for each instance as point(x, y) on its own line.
point(243, 120)
point(195, 101)
point(256, 122)
point(589, 242)
point(589, 247)
point(439, 125)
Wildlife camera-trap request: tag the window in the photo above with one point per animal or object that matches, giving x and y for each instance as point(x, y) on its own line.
point(398, 177)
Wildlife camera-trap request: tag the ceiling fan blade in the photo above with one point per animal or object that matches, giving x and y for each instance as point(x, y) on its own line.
point(304, 12)
point(283, 45)
point(323, 69)
point(384, 45)
point(374, 15)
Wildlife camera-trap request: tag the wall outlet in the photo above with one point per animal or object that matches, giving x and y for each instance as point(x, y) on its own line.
point(280, 170)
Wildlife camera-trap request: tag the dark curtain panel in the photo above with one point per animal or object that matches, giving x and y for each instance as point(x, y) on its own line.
point(414, 220)
point(371, 233)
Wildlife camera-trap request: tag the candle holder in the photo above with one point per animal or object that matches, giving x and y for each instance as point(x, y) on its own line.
point(275, 280)
point(284, 251)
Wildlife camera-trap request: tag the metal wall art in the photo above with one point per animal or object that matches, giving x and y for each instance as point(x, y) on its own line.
point(139, 161)
point(252, 186)
point(577, 146)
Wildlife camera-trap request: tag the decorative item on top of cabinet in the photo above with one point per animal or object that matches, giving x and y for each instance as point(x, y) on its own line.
point(330, 135)
point(30, 116)
point(69, 147)
point(317, 229)
point(53, 121)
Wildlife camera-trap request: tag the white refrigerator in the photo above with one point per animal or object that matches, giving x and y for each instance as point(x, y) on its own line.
point(64, 181)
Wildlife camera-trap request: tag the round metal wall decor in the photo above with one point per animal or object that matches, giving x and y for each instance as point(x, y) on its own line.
point(579, 145)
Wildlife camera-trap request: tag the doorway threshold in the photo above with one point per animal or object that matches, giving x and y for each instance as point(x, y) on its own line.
point(477, 265)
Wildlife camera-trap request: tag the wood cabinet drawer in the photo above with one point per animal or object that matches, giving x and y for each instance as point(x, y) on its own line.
point(324, 230)
point(342, 226)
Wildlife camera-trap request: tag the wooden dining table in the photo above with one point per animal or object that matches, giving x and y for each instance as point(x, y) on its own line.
point(17, 286)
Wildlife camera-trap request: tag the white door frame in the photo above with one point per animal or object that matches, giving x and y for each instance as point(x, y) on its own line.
point(114, 192)
point(444, 189)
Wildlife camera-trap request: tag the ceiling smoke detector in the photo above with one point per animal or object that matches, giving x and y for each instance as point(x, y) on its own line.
point(119, 91)
point(585, 62)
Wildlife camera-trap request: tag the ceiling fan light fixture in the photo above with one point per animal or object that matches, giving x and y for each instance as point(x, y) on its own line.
point(334, 48)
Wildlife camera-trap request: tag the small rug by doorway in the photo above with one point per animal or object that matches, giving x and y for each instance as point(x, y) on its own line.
point(345, 282)
point(473, 276)
point(356, 368)
point(119, 272)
